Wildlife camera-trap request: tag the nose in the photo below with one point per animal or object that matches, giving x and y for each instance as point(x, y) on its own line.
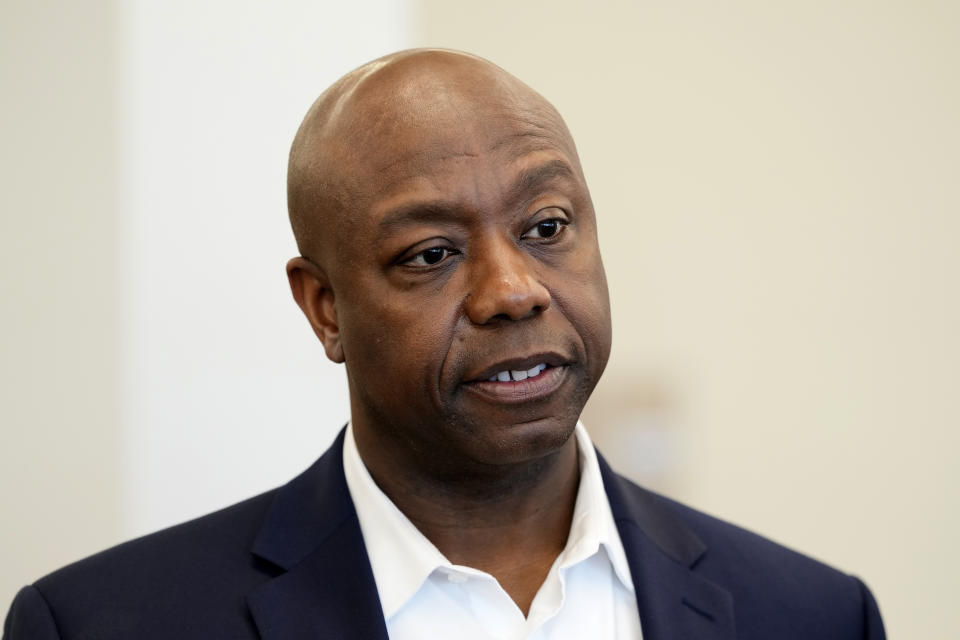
point(504, 285)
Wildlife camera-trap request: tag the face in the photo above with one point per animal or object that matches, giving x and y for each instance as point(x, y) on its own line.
point(467, 287)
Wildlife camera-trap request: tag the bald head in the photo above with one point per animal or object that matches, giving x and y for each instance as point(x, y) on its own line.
point(383, 121)
point(448, 235)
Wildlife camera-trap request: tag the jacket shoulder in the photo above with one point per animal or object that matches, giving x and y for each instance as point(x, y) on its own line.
point(730, 546)
point(778, 591)
point(204, 565)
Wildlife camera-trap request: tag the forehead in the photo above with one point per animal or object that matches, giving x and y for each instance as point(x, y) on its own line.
point(426, 123)
point(449, 142)
point(418, 127)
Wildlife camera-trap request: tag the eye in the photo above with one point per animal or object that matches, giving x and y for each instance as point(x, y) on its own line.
point(545, 229)
point(429, 257)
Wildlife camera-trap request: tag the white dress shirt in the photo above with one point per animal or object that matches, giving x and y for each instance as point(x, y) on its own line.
point(588, 592)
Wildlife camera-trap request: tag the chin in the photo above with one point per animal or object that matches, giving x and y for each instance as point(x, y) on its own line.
point(526, 441)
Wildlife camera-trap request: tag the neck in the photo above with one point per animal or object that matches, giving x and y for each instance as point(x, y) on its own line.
point(511, 521)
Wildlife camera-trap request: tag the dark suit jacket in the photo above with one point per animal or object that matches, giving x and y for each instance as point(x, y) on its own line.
point(291, 564)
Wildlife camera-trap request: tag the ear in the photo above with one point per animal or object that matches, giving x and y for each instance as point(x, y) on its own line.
point(311, 289)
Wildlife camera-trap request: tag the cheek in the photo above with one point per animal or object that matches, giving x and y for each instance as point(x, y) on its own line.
point(399, 342)
point(585, 300)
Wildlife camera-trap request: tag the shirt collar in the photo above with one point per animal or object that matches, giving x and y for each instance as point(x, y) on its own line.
point(592, 526)
point(402, 558)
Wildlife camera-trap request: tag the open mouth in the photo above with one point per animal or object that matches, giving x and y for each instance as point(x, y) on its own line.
point(521, 368)
point(518, 374)
point(526, 383)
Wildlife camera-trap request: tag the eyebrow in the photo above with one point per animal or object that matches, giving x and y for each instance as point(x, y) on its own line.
point(440, 210)
point(532, 177)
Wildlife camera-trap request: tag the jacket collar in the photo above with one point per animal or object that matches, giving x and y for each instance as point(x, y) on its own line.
point(326, 587)
point(673, 600)
point(312, 533)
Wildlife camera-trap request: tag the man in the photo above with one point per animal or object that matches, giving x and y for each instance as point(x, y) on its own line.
point(449, 258)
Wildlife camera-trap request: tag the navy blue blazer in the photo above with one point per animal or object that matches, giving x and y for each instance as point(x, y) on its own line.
point(291, 564)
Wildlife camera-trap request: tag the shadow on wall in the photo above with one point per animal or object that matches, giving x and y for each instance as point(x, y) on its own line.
point(634, 422)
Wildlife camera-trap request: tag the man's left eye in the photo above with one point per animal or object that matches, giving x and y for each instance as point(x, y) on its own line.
point(545, 229)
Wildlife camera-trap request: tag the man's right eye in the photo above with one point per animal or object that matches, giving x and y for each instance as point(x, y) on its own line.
point(430, 257)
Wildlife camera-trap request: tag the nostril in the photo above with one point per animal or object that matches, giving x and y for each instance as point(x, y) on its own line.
point(503, 290)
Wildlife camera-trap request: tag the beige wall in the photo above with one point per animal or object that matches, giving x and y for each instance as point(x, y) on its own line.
point(777, 185)
point(59, 485)
point(150, 347)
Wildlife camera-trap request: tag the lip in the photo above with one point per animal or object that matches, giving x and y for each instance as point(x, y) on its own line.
point(549, 358)
point(517, 391)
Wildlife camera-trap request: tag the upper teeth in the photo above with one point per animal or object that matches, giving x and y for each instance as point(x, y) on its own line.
point(522, 374)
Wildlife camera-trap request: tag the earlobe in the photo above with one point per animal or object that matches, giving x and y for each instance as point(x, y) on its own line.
point(313, 294)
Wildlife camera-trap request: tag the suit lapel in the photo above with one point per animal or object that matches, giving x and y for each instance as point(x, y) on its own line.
point(326, 588)
point(675, 603)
